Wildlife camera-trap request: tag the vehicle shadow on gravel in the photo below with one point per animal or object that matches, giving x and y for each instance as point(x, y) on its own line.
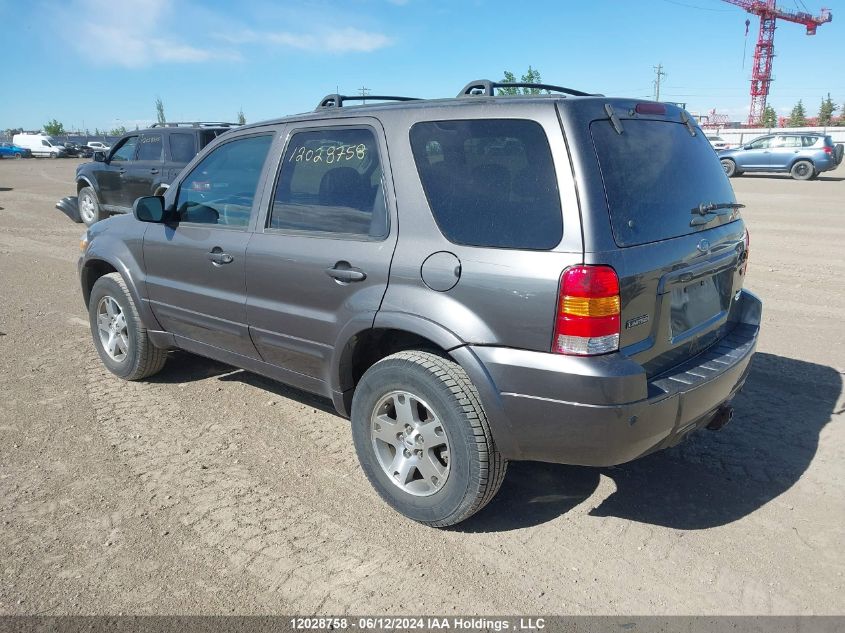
point(186, 367)
point(711, 479)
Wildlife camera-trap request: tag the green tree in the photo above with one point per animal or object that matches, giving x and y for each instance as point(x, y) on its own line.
point(826, 110)
point(770, 117)
point(241, 117)
point(798, 116)
point(532, 76)
point(118, 131)
point(160, 111)
point(97, 132)
point(54, 128)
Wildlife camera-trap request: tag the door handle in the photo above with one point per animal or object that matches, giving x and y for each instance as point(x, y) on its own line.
point(218, 258)
point(154, 170)
point(345, 273)
point(121, 171)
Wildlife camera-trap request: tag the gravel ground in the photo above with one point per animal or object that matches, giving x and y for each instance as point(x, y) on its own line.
point(212, 490)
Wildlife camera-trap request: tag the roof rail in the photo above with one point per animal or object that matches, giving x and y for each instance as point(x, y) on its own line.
point(336, 100)
point(195, 124)
point(487, 88)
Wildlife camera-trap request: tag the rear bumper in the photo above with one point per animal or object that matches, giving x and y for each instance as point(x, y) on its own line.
point(613, 412)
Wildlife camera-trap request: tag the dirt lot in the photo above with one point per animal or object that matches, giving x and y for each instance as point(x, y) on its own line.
point(212, 490)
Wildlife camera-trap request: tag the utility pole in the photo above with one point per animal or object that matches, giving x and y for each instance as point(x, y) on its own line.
point(364, 92)
point(660, 74)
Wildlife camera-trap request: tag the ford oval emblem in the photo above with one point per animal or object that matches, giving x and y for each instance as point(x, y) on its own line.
point(704, 246)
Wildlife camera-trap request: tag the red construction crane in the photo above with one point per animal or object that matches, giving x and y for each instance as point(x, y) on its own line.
point(764, 52)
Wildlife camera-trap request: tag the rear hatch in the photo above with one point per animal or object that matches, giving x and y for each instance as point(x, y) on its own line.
point(669, 226)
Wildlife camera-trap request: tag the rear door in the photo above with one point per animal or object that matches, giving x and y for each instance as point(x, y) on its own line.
point(181, 149)
point(783, 151)
point(322, 256)
point(679, 261)
point(195, 268)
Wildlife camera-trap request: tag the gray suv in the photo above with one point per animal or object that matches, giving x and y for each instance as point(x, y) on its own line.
point(803, 155)
point(473, 280)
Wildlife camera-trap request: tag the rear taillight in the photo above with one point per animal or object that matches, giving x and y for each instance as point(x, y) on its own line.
point(827, 150)
point(587, 321)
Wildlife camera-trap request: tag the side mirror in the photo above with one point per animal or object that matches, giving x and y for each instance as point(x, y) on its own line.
point(746, 147)
point(149, 209)
point(99, 157)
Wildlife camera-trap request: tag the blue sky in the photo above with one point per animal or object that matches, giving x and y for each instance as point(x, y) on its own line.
point(102, 63)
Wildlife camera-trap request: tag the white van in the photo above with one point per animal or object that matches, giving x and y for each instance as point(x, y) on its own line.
point(40, 145)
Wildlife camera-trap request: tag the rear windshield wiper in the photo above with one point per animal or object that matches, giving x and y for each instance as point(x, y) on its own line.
point(708, 207)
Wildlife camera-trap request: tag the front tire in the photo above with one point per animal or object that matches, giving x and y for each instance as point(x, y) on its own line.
point(120, 338)
point(423, 439)
point(89, 207)
point(802, 170)
point(18, 155)
point(730, 167)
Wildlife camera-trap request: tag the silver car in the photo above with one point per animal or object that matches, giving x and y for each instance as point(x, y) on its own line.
point(803, 155)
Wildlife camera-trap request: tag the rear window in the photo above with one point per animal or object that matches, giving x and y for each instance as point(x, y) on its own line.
point(654, 174)
point(490, 182)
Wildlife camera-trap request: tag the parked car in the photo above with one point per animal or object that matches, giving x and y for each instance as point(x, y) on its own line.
point(432, 268)
point(40, 145)
point(141, 163)
point(717, 141)
point(77, 150)
point(97, 146)
point(803, 155)
point(10, 150)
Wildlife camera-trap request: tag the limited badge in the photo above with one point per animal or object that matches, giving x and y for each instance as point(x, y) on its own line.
point(636, 321)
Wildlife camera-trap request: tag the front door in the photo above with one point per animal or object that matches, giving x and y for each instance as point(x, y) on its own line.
point(195, 268)
point(111, 175)
point(757, 156)
point(145, 171)
point(321, 257)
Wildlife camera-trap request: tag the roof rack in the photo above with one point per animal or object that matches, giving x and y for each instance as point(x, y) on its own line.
point(195, 124)
point(487, 88)
point(336, 100)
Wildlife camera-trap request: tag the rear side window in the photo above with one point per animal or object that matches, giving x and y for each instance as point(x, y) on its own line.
point(182, 148)
point(149, 147)
point(809, 141)
point(654, 174)
point(221, 188)
point(331, 182)
point(490, 182)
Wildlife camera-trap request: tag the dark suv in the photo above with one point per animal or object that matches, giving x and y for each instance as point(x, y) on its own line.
point(472, 280)
point(141, 163)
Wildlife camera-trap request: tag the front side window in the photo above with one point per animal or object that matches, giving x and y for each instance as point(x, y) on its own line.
point(762, 143)
point(490, 182)
point(149, 147)
point(331, 182)
point(126, 151)
point(221, 188)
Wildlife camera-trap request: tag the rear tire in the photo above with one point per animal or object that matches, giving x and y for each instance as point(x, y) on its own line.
point(119, 336)
point(803, 170)
point(730, 167)
point(89, 206)
point(423, 439)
